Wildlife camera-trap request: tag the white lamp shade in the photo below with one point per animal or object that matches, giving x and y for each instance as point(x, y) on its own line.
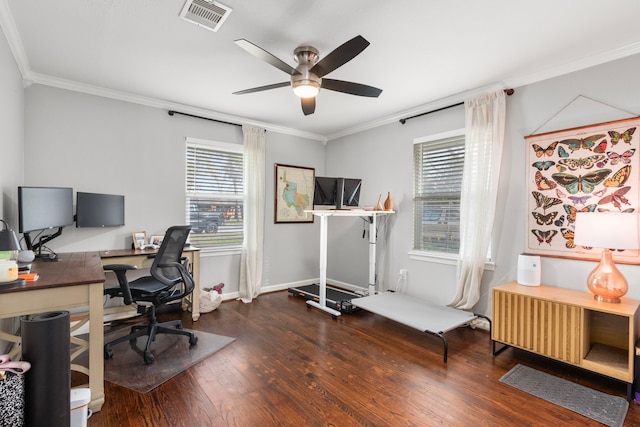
point(607, 230)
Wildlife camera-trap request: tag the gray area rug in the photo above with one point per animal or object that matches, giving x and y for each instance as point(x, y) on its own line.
point(172, 355)
point(601, 407)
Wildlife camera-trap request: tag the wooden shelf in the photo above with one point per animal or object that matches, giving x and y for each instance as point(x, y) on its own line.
point(607, 357)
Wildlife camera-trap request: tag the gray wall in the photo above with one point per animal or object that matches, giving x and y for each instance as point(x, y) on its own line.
point(382, 157)
point(11, 150)
point(103, 145)
point(11, 134)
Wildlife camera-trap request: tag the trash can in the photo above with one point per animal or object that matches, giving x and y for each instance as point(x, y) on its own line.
point(46, 345)
point(80, 398)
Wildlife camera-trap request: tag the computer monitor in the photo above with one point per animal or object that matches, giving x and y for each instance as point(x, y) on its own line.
point(43, 208)
point(348, 193)
point(99, 210)
point(324, 192)
point(340, 193)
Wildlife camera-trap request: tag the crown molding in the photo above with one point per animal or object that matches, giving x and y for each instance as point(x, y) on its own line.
point(566, 68)
point(576, 65)
point(163, 104)
point(13, 40)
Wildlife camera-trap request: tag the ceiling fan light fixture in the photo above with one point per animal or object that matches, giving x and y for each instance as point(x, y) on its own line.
point(306, 88)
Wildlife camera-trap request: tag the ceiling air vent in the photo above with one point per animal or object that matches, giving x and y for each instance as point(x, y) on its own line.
point(207, 14)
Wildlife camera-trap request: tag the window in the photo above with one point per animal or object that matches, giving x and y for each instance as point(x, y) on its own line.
point(214, 193)
point(438, 167)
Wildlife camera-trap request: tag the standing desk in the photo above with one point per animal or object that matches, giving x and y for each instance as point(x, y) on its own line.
point(371, 217)
point(75, 280)
point(143, 258)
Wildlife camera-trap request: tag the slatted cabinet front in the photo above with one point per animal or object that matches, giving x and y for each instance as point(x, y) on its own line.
point(544, 327)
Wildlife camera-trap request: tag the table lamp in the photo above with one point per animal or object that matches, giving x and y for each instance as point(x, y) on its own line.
point(8, 239)
point(9, 243)
point(607, 231)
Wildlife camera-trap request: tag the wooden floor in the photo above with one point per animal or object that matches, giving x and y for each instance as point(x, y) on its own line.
point(293, 366)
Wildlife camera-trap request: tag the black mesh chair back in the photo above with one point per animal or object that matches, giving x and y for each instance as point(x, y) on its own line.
point(165, 267)
point(169, 280)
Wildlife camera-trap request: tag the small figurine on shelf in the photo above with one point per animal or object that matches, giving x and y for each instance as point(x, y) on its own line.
point(379, 205)
point(388, 204)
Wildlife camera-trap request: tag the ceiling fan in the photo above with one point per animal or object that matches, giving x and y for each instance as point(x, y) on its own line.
point(307, 78)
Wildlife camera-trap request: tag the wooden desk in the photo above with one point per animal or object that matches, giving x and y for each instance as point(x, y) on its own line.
point(371, 217)
point(144, 259)
point(74, 280)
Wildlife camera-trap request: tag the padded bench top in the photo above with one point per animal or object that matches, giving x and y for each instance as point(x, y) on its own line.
point(413, 312)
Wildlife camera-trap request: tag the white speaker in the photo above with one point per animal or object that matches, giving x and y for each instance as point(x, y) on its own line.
point(529, 270)
point(26, 256)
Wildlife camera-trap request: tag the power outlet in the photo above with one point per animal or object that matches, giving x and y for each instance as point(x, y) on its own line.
point(403, 274)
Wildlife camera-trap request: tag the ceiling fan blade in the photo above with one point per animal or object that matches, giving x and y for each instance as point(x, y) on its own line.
point(308, 105)
point(261, 88)
point(266, 56)
point(351, 88)
point(340, 56)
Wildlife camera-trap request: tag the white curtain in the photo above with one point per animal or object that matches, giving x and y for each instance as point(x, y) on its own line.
point(251, 259)
point(484, 138)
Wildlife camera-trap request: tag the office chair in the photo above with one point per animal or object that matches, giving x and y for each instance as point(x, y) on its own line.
point(169, 281)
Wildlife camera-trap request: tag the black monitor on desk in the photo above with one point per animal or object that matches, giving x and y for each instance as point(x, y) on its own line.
point(338, 193)
point(99, 210)
point(41, 209)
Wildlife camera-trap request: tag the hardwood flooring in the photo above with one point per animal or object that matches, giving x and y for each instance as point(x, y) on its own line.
point(293, 366)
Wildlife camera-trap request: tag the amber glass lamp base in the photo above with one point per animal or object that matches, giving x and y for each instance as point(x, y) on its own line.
point(606, 282)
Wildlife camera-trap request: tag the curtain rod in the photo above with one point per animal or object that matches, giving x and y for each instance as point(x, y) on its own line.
point(509, 92)
point(172, 112)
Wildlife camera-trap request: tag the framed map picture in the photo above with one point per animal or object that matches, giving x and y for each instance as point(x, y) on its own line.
point(293, 193)
point(593, 168)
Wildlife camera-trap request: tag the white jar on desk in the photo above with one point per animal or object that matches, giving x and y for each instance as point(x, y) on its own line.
point(8, 270)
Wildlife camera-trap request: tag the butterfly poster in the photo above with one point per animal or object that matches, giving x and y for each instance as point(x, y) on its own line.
point(594, 168)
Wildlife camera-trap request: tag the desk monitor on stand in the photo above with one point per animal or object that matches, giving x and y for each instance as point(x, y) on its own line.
point(347, 193)
point(336, 193)
point(41, 209)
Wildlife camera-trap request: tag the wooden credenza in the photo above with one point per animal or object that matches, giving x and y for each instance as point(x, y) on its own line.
point(569, 326)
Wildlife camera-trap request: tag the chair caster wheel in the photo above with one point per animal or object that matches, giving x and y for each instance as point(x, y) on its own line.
point(148, 358)
point(108, 354)
point(193, 340)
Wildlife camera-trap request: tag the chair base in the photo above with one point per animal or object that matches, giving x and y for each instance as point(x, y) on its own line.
point(151, 329)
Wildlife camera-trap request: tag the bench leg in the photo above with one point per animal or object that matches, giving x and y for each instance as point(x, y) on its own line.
point(444, 343)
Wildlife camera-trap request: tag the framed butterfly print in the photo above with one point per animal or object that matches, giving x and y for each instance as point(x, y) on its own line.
point(593, 168)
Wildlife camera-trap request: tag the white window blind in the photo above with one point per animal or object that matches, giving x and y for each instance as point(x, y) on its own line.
point(214, 194)
point(438, 167)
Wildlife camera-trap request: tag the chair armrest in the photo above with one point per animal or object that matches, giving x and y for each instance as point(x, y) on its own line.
point(185, 277)
point(120, 271)
point(115, 267)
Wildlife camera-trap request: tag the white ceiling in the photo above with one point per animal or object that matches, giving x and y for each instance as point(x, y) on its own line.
point(423, 53)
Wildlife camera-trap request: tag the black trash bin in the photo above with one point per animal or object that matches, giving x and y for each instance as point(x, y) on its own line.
point(46, 345)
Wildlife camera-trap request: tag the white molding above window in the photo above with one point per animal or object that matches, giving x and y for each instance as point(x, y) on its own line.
point(226, 146)
point(440, 136)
